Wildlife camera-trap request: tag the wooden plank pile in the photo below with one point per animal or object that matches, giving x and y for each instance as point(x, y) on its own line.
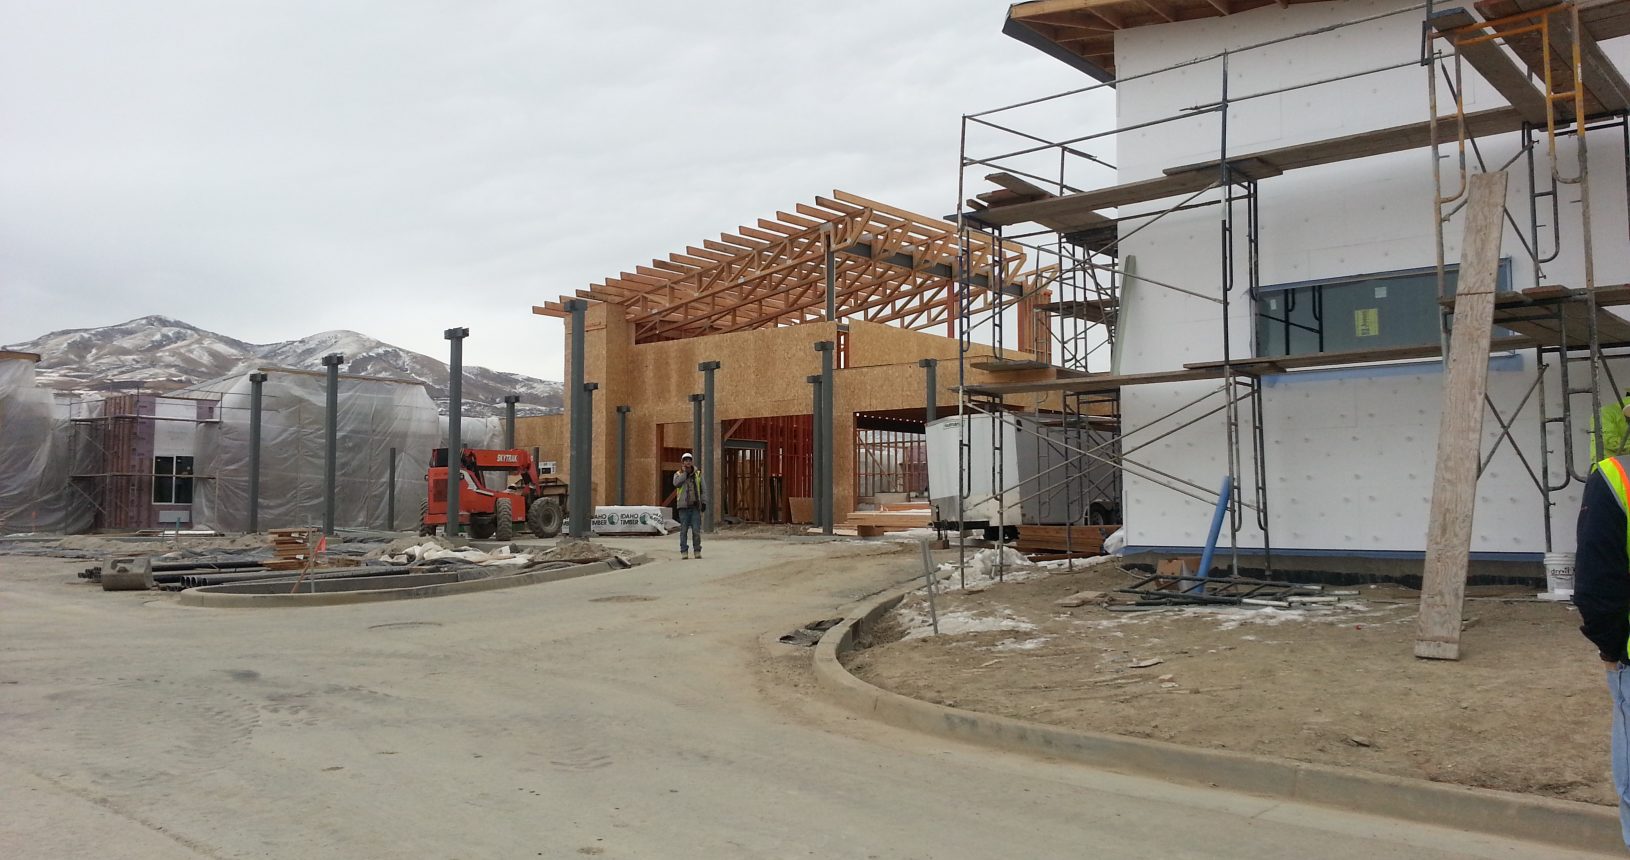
point(1076, 540)
point(291, 548)
point(889, 518)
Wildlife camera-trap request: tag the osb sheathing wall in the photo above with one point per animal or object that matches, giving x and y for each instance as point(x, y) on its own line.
point(762, 373)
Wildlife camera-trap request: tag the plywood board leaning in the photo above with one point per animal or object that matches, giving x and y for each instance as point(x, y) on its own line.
point(1460, 431)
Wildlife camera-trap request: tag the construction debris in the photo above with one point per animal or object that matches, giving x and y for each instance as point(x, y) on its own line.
point(1163, 589)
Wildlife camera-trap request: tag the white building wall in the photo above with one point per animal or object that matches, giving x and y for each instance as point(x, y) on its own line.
point(1350, 452)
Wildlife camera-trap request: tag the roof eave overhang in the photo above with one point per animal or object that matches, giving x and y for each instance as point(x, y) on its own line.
point(1028, 35)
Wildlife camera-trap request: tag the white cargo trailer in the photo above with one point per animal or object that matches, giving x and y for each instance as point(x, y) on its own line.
point(1046, 476)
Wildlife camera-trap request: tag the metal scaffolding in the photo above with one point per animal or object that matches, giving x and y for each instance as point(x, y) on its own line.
point(1076, 287)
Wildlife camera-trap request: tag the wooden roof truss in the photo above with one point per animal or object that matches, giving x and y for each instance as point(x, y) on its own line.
point(888, 265)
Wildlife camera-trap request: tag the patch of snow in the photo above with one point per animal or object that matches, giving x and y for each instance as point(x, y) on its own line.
point(1080, 563)
point(1018, 645)
point(914, 618)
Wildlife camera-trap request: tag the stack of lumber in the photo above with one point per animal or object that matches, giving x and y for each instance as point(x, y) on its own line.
point(890, 518)
point(291, 547)
point(1076, 540)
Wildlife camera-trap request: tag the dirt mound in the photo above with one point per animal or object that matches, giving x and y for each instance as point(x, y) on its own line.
point(572, 549)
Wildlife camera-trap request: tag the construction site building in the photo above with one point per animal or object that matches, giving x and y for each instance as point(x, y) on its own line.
point(878, 286)
point(1266, 242)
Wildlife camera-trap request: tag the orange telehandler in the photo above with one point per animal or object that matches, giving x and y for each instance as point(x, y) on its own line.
point(517, 495)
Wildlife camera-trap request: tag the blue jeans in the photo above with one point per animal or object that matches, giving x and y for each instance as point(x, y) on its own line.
point(690, 519)
point(1618, 682)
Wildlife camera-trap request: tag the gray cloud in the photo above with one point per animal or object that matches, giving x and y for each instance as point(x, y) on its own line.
point(272, 169)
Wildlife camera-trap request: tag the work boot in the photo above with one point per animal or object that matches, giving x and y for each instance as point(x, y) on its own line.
point(685, 556)
point(698, 553)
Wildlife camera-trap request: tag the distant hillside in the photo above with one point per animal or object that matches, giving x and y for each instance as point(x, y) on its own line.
point(156, 353)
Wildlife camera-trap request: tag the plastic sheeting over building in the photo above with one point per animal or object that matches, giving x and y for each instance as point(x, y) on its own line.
point(35, 454)
point(375, 415)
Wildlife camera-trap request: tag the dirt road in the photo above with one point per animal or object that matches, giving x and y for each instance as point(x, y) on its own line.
point(641, 713)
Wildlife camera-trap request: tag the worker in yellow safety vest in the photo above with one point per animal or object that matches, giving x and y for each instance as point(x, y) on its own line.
point(1613, 424)
point(1602, 594)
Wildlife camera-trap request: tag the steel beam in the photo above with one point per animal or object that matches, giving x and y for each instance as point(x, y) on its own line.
point(931, 409)
point(815, 425)
point(390, 494)
point(585, 503)
point(709, 428)
point(256, 382)
point(826, 349)
point(455, 426)
point(622, 453)
point(332, 361)
point(578, 480)
point(930, 368)
point(509, 420)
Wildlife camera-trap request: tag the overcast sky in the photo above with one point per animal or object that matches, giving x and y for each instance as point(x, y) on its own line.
point(269, 170)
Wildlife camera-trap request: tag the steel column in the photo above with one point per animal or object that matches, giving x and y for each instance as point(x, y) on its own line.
point(578, 477)
point(696, 436)
point(390, 494)
point(816, 491)
point(585, 503)
point(332, 361)
point(509, 420)
point(455, 426)
point(256, 382)
point(825, 348)
point(930, 368)
point(709, 429)
point(831, 282)
point(622, 453)
point(696, 428)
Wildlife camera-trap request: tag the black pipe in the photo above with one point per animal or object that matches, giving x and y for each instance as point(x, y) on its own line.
point(198, 580)
point(206, 565)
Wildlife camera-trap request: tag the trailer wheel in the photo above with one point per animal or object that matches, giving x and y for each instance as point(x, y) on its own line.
point(544, 517)
point(425, 529)
point(482, 526)
point(503, 523)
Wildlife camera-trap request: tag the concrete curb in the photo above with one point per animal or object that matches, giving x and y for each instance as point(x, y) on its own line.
point(203, 597)
point(1562, 823)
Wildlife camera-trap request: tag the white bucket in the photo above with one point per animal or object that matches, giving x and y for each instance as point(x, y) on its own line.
point(1559, 574)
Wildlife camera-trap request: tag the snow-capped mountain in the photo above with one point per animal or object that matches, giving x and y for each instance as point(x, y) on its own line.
point(156, 353)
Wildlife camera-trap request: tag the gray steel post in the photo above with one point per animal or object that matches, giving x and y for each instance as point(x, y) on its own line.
point(696, 429)
point(816, 491)
point(331, 439)
point(509, 419)
point(825, 348)
point(585, 497)
point(256, 382)
point(622, 453)
point(577, 482)
point(930, 368)
point(831, 282)
point(455, 426)
point(709, 428)
point(390, 495)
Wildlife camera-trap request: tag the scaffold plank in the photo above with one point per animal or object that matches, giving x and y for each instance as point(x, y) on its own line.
point(1079, 211)
point(1490, 61)
point(1460, 431)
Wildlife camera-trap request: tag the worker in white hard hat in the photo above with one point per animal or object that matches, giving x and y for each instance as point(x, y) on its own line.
point(689, 503)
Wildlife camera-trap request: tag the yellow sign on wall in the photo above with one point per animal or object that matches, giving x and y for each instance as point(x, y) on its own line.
point(1367, 322)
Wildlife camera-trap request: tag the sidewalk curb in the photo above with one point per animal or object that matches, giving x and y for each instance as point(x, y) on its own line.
point(1562, 823)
